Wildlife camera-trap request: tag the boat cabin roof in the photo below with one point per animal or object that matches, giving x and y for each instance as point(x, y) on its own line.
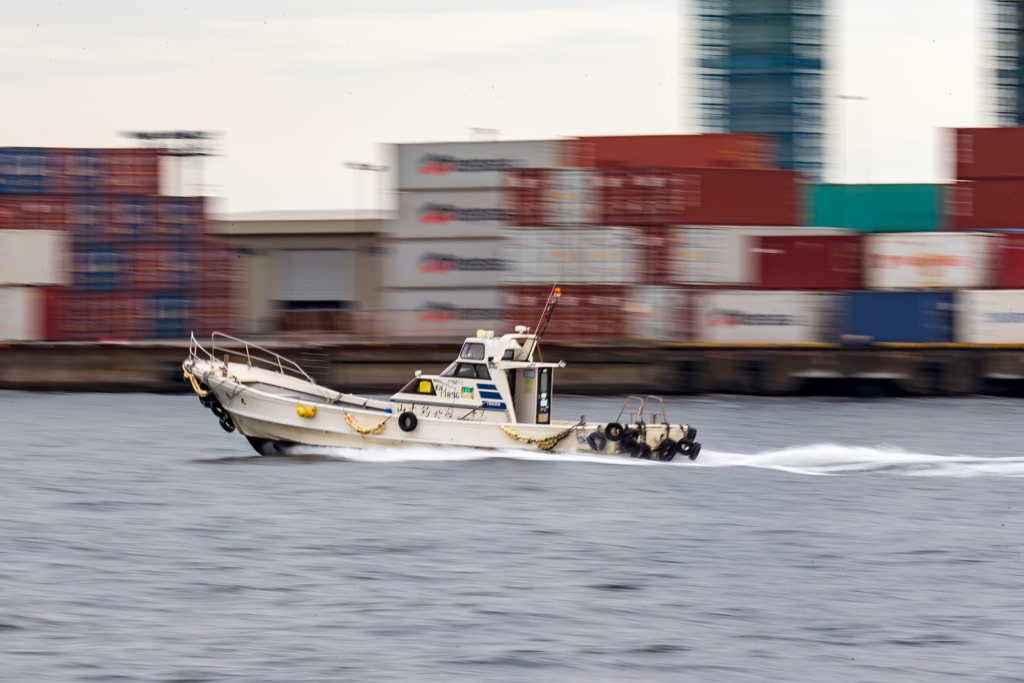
point(514, 350)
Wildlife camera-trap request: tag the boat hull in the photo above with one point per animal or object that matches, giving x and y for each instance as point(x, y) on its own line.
point(273, 422)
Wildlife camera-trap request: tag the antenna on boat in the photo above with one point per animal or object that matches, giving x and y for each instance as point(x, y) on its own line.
point(549, 308)
point(545, 317)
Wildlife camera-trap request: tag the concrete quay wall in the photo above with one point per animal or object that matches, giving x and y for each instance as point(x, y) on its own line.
point(922, 370)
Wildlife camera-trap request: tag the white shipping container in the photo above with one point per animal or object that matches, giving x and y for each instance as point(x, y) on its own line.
point(33, 257)
point(760, 317)
point(467, 214)
point(990, 316)
point(572, 197)
point(660, 313)
point(571, 256)
point(725, 255)
point(434, 264)
point(932, 260)
point(471, 165)
point(21, 314)
point(451, 313)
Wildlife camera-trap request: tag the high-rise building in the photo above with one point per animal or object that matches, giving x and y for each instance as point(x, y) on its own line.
point(761, 69)
point(1008, 62)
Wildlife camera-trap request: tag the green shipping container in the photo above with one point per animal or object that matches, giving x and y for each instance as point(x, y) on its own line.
point(875, 208)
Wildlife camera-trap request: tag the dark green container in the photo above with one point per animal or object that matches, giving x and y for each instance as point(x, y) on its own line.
point(875, 208)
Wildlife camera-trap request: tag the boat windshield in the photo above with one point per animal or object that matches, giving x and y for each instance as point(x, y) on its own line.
point(467, 370)
point(472, 351)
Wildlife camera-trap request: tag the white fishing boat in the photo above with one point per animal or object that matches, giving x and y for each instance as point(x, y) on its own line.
point(498, 394)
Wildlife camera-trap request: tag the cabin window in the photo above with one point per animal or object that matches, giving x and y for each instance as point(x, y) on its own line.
point(472, 351)
point(450, 370)
point(509, 354)
point(472, 371)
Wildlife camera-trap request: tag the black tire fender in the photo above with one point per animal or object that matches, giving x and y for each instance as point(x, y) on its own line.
point(597, 441)
point(629, 440)
point(407, 422)
point(667, 449)
point(226, 424)
point(613, 431)
point(642, 451)
point(693, 450)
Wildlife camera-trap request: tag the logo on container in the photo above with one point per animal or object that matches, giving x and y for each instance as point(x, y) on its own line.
point(443, 164)
point(441, 312)
point(1005, 317)
point(442, 264)
point(920, 261)
point(443, 214)
point(720, 317)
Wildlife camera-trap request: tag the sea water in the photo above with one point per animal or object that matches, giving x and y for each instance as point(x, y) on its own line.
point(813, 540)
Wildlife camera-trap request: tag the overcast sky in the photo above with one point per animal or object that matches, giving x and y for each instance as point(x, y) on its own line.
point(297, 87)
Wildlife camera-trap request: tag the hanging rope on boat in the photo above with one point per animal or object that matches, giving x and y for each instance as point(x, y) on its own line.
point(195, 385)
point(365, 431)
point(545, 444)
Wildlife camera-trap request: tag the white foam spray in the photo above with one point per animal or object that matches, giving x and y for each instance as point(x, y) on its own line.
point(817, 459)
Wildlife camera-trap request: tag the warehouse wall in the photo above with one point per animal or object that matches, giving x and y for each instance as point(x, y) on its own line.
point(260, 238)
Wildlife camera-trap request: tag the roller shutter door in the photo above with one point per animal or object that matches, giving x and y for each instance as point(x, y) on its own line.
point(314, 275)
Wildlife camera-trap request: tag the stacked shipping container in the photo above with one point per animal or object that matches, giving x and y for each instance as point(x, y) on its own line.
point(611, 235)
point(665, 241)
point(131, 264)
point(606, 229)
point(441, 277)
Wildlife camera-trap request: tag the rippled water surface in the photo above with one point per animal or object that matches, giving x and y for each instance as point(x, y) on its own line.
point(138, 542)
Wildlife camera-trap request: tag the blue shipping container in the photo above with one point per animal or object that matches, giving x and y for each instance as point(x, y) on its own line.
point(100, 269)
point(898, 317)
point(25, 170)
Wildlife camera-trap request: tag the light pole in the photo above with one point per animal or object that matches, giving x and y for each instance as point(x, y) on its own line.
point(360, 166)
point(867, 102)
point(181, 144)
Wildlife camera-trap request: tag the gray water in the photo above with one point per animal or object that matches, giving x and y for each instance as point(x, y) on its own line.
point(814, 540)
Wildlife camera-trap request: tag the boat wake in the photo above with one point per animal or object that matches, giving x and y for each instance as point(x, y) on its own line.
point(817, 459)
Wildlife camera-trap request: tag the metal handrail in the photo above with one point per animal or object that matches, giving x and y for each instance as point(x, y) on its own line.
point(279, 363)
point(626, 403)
point(660, 413)
point(278, 359)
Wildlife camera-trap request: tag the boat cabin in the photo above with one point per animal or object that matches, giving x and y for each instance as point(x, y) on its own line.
point(494, 379)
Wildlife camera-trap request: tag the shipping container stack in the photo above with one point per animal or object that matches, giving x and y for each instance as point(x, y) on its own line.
point(106, 256)
point(444, 257)
point(661, 238)
point(732, 252)
point(987, 196)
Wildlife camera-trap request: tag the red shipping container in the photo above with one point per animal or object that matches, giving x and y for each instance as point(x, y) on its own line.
point(523, 196)
point(1010, 262)
point(989, 153)
point(699, 196)
point(133, 171)
point(649, 196)
point(721, 150)
point(739, 197)
point(32, 213)
point(217, 311)
point(55, 305)
point(582, 313)
point(655, 253)
point(217, 268)
point(832, 262)
point(981, 205)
